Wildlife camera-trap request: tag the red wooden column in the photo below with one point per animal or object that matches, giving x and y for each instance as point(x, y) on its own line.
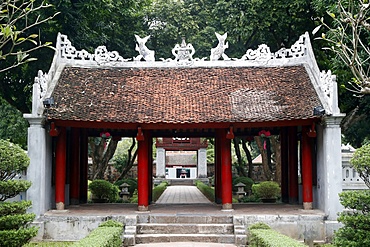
point(293, 165)
point(150, 166)
point(143, 171)
point(75, 167)
point(306, 169)
point(84, 165)
point(226, 174)
point(284, 165)
point(60, 169)
point(217, 160)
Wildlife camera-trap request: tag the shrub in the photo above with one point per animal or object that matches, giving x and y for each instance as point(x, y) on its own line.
point(108, 234)
point(267, 190)
point(356, 219)
point(245, 180)
point(207, 191)
point(159, 189)
point(361, 163)
point(102, 189)
point(13, 216)
point(271, 238)
point(259, 225)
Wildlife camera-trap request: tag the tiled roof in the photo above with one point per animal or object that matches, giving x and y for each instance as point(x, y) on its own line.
point(184, 95)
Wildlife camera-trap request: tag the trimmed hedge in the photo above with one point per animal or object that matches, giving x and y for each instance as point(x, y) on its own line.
point(159, 189)
point(16, 238)
point(207, 191)
point(108, 234)
point(261, 235)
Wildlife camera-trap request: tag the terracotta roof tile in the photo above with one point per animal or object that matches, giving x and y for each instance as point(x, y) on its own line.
point(184, 95)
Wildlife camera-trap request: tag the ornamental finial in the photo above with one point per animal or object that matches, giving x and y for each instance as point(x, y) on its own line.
point(219, 50)
point(144, 52)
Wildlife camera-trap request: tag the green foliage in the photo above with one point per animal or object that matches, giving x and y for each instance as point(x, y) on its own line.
point(259, 225)
point(270, 238)
point(11, 188)
point(16, 238)
point(207, 191)
point(159, 189)
point(9, 208)
point(108, 234)
point(13, 160)
point(102, 189)
point(13, 126)
point(361, 163)
point(267, 190)
point(356, 219)
point(245, 180)
point(15, 221)
point(111, 223)
point(48, 244)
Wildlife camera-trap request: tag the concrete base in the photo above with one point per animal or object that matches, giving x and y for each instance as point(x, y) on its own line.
point(227, 206)
point(307, 206)
point(60, 205)
point(142, 208)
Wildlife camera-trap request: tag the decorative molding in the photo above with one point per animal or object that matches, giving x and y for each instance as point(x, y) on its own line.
point(219, 50)
point(327, 81)
point(41, 82)
point(144, 52)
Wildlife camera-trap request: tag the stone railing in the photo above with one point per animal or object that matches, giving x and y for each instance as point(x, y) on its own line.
point(351, 180)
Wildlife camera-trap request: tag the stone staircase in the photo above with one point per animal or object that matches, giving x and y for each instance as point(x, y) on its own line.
point(184, 228)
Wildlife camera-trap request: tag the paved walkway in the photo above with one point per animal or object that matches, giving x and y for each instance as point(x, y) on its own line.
point(181, 194)
point(185, 244)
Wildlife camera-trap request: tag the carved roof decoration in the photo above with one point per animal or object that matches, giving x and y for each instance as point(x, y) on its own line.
point(299, 54)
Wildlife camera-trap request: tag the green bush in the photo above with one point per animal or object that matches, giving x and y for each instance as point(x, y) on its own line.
point(356, 219)
point(16, 238)
point(271, 238)
point(158, 190)
point(259, 225)
point(267, 190)
point(13, 216)
point(245, 180)
point(207, 191)
point(361, 163)
point(108, 234)
point(102, 189)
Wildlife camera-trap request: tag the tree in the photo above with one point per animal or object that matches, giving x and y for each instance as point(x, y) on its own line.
point(102, 151)
point(125, 157)
point(348, 37)
point(17, 18)
point(13, 217)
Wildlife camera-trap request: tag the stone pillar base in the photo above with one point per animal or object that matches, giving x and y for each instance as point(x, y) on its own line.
point(60, 205)
point(227, 206)
point(307, 205)
point(142, 208)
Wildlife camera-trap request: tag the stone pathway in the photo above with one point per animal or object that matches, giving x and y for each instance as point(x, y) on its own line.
point(185, 244)
point(182, 195)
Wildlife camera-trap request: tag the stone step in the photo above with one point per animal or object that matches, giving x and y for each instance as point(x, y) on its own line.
point(185, 228)
point(185, 219)
point(165, 238)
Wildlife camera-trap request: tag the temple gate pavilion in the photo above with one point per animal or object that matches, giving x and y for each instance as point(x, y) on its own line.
point(282, 92)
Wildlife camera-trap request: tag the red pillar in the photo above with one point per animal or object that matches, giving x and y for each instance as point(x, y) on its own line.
point(60, 169)
point(306, 169)
point(218, 183)
point(226, 174)
point(284, 165)
point(293, 165)
point(84, 165)
point(143, 174)
point(150, 167)
point(75, 167)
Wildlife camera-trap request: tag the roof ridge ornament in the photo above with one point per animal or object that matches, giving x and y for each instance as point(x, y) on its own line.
point(183, 53)
point(144, 52)
point(219, 50)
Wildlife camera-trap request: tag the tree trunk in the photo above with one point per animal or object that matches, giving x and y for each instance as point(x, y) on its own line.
point(240, 168)
point(277, 148)
point(249, 157)
point(265, 158)
point(130, 160)
point(102, 151)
